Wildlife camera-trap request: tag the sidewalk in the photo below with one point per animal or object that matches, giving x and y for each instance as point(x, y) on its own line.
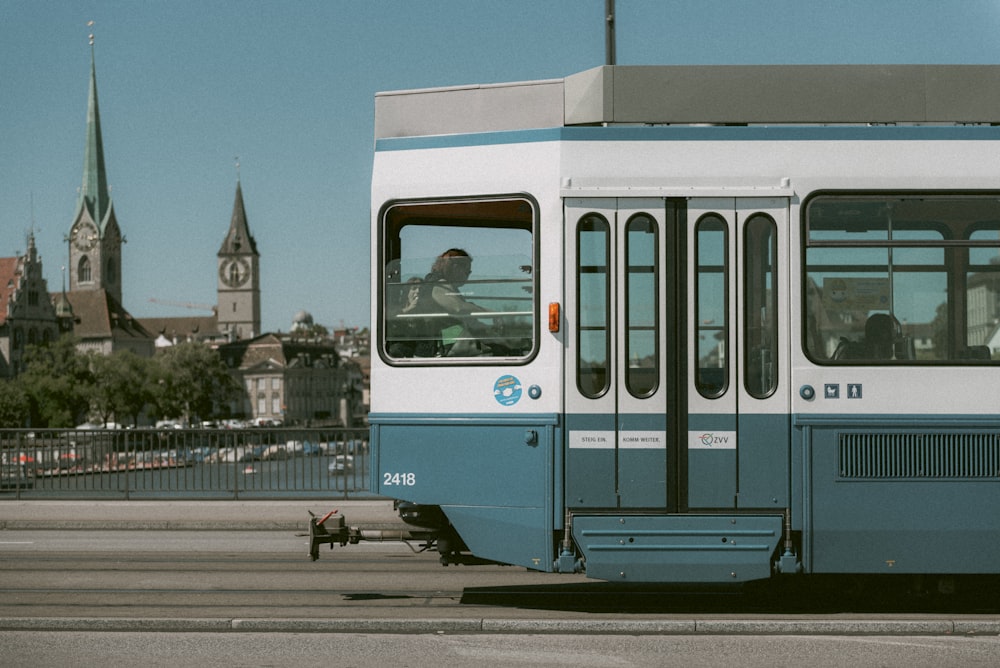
point(190, 515)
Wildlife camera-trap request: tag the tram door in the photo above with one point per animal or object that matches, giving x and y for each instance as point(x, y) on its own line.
point(616, 393)
point(672, 397)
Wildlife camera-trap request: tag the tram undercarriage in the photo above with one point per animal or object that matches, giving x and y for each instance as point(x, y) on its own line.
point(613, 547)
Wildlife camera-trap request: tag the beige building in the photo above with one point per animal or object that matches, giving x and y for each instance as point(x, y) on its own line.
point(295, 380)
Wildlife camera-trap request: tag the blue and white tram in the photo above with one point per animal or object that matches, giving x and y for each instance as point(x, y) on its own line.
point(693, 324)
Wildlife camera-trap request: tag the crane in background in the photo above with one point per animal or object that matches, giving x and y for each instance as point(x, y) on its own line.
point(188, 305)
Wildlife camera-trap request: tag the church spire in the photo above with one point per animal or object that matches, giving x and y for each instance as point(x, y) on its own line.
point(95, 240)
point(238, 240)
point(94, 193)
point(238, 313)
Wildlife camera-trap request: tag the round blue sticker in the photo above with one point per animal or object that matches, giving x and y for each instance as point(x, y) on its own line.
point(507, 390)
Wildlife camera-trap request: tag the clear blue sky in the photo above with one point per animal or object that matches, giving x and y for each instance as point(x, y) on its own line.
point(186, 86)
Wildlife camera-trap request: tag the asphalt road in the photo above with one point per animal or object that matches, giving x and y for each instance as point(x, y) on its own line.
point(260, 575)
point(241, 598)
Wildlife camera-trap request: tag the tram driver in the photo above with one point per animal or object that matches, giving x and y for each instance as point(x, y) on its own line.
point(464, 334)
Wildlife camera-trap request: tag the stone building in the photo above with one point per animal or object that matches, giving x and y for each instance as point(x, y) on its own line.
point(27, 315)
point(294, 380)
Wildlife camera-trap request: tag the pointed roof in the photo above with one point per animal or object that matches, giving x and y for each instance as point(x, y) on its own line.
point(8, 284)
point(238, 240)
point(94, 194)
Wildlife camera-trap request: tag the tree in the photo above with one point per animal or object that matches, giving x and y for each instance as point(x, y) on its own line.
point(121, 385)
point(191, 380)
point(58, 382)
point(14, 404)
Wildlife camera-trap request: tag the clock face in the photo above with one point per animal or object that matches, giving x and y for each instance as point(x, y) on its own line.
point(85, 237)
point(234, 273)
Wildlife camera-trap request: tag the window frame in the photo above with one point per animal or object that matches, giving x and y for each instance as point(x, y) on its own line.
point(388, 240)
point(593, 217)
point(770, 300)
point(628, 325)
point(947, 244)
point(726, 327)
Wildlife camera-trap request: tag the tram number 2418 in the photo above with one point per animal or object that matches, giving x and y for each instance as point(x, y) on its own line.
point(399, 479)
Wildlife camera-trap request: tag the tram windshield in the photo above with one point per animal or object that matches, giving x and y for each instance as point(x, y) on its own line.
point(458, 281)
point(902, 279)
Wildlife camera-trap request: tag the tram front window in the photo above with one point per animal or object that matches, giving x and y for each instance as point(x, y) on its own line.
point(458, 281)
point(902, 279)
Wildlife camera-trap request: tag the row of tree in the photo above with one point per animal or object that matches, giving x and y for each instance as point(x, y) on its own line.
point(63, 387)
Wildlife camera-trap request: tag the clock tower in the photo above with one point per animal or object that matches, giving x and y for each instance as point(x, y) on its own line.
point(239, 277)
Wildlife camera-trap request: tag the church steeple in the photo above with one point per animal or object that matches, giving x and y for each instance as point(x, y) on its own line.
point(94, 194)
point(239, 277)
point(95, 240)
point(238, 240)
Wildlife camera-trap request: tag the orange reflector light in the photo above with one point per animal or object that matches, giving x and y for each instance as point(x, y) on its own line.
point(553, 316)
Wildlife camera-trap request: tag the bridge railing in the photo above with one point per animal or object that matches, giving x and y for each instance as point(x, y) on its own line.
point(253, 463)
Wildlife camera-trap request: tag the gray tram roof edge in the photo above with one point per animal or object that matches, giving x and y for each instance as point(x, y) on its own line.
point(695, 94)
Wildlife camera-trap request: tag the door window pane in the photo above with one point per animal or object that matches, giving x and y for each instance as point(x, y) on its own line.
point(642, 306)
point(593, 349)
point(761, 324)
point(711, 306)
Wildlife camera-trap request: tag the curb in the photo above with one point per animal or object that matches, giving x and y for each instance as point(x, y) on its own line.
point(758, 627)
point(172, 525)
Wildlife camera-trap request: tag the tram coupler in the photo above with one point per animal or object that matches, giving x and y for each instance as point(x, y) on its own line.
point(330, 529)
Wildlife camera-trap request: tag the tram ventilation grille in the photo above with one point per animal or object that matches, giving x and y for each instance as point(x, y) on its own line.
point(918, 456)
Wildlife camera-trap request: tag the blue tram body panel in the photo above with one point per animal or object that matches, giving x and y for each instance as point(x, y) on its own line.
point(590, 471)
point(763, 459)
point(492, 477)
point(917, 497)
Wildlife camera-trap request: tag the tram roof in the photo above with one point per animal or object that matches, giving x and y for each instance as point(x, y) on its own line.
point(701, 94)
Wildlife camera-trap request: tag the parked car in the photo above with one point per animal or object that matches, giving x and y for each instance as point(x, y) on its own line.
point(13, 476)
point(276, 452)
point(298, 448)
point(341, 464)
point(354, 446)
point(249, 453)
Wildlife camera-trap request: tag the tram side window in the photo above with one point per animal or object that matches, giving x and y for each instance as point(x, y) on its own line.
point(902, 279)
point(642, 306)
point(593, 252)
point(458, 281)
point(761, 316)
point(711, 306)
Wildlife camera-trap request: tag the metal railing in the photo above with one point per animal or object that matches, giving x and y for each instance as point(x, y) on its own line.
point(256, 463)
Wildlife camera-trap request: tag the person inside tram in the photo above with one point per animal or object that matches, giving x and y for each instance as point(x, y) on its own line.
point(883, 340)
point(882, 331)
point(433, 318)
point(406, 331)
point(462, 333)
